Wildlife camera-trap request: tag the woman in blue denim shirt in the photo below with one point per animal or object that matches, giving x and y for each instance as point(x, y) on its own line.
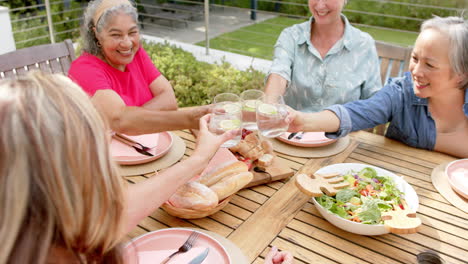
point(427, 108)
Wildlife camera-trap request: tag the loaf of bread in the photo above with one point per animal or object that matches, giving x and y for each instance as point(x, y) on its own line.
point(221, 171)
point(231, 184)
point(194, 195)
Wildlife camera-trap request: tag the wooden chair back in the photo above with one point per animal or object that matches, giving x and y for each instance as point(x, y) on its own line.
point(53, 58)
point(394, 61)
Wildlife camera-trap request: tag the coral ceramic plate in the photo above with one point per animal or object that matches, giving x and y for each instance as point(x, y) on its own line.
point(155, 246)
point(309, 139)
point(159, 144)
point(457, 174)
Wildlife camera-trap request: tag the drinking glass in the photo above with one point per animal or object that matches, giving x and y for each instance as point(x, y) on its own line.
point(271, 116)
point(226, 115)
point(250, 99)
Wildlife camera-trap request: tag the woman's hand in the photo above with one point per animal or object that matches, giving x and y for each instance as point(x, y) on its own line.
point(295, 120)
point(276, 257)
point(207, 142)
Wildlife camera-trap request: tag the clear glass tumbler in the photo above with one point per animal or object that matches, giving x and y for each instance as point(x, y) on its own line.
point(271, 116)
point(250, 100)
point(227, 115)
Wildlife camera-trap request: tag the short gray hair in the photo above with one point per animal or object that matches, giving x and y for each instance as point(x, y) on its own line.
point(90, 42)
point(456, 29)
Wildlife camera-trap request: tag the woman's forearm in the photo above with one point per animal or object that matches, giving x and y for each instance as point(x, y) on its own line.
point(275, 85)
point(145, 197)
point(325, 121)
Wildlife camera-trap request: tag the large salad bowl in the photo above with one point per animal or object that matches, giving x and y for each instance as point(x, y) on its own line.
point(410, 197)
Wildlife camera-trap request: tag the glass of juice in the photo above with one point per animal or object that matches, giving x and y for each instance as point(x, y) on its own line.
point(250, 99)
point(226, 115)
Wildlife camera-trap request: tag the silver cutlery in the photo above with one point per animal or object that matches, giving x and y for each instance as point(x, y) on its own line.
point(200, 258)
point(130, 142)
point(299, 135)
point(292, 135)
point(185, 247)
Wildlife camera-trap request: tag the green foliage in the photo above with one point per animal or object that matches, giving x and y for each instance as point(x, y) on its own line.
point(31, 28)
point(195, 82)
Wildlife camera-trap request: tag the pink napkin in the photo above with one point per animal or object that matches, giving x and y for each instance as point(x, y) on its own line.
point(157, 256)
point(119, 149)
point(222, 156)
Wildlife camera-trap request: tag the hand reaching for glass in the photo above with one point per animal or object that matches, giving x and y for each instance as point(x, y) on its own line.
point(208, 142)
point(227, 116)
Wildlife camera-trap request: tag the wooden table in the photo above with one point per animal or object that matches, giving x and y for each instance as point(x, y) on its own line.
point(278, 214)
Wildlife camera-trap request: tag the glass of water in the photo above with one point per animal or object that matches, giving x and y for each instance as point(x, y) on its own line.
point(271, 115)
point(250, 99)
point(227, 115)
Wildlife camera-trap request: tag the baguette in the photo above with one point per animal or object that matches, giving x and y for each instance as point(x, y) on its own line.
point(194, 195)
point(222, 171)
point(231, 184)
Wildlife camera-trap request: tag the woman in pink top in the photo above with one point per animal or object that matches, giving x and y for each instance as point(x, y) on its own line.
point(120, 77)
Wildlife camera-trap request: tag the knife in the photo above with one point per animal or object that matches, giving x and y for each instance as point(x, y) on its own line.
point(292, 135)
point(131, 144)
point(200, 258)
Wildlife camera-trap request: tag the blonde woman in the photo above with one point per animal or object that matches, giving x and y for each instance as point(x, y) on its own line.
point(61, 199)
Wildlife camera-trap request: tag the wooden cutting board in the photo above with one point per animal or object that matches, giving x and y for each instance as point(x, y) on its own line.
point(276, 171)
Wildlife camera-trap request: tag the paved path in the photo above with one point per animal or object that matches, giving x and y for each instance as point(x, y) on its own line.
point(222, 20)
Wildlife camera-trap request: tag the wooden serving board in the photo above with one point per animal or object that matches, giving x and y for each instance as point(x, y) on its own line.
point(276, 171)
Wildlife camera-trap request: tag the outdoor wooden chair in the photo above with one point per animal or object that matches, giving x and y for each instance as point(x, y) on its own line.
point(53, 58)
point(394, 62)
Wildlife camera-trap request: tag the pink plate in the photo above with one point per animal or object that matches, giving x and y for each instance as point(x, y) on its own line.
point(457, 174)
point(160, 144)
point(155, 246)
point(309, 139)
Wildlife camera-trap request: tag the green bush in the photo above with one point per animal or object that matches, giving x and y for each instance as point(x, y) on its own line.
point(195, 82)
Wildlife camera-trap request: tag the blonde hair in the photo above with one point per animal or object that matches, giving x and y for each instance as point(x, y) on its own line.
point(58, 185)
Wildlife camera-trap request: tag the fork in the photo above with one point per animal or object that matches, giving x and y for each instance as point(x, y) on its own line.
point(185, 247)
point(143, 147)
point(299, 135)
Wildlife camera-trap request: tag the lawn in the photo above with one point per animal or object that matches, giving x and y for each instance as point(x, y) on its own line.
point(258, 40)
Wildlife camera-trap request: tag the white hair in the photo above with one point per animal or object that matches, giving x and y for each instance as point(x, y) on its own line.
point(456, 29)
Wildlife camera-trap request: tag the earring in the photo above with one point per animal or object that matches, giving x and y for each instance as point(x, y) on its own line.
point(98, 44)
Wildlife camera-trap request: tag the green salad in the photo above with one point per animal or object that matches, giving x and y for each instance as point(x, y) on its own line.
point(366, 197)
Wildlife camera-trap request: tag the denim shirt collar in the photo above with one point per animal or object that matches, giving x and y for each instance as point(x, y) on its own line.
point(423, 101)
point(348, 41)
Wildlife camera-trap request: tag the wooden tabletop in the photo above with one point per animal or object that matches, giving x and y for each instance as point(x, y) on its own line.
point(278, 214)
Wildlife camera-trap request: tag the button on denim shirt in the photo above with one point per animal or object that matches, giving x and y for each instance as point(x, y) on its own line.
point(350, 71)
point(411, 121)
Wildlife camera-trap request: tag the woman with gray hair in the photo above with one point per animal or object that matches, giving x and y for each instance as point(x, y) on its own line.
point(427, 108)
point(120, 77)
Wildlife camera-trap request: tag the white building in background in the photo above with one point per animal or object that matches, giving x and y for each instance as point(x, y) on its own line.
point(7, 42)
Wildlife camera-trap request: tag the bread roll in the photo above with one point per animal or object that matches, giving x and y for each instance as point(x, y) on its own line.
point(265, 160)
point(231, 184)
point(219, 172)
point(194, 195)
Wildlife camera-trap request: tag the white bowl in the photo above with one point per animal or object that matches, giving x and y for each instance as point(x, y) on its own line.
point(457, 174)
point(364, 229)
